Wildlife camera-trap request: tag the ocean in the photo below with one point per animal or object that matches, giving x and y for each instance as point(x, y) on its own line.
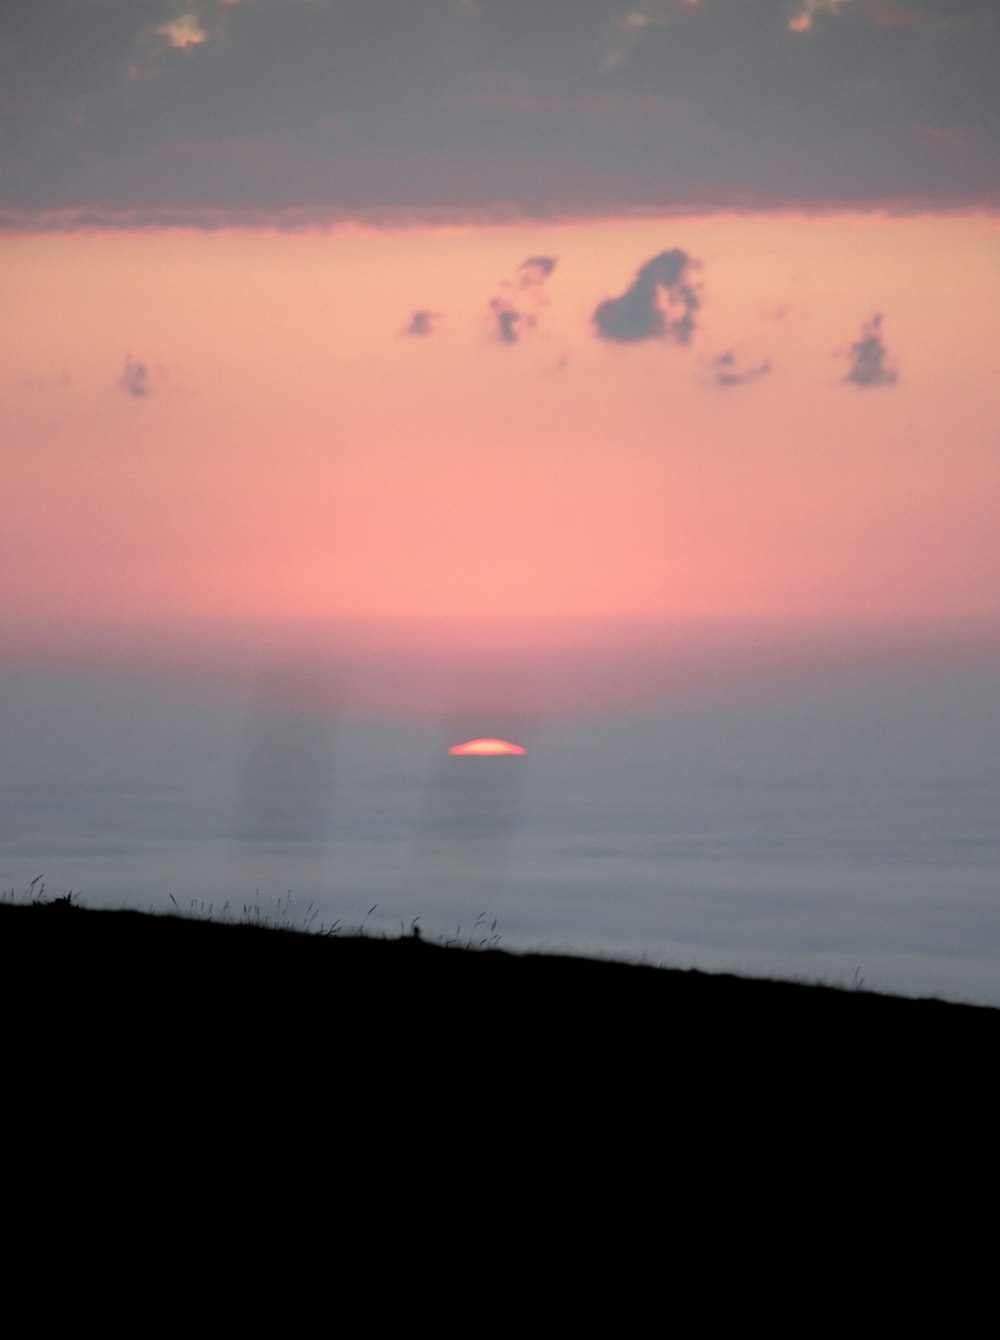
point(839, 825)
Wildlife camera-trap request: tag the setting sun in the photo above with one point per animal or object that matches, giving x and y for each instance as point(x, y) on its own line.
point(486, 748)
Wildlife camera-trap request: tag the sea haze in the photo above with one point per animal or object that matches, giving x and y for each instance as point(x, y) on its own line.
point(837, 824)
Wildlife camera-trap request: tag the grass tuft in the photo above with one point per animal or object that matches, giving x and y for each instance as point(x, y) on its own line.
point(34, 896)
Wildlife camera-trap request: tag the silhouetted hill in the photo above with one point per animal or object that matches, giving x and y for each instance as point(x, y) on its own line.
point(265, 1077)
point(128, 964)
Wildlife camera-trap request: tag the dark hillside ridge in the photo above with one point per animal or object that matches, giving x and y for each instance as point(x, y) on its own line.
point(157, 963)
point(168, 1031)
point(221, 1085)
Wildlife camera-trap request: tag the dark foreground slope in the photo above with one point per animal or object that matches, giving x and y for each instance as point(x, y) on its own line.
point(103, 974)
point(235, 1069)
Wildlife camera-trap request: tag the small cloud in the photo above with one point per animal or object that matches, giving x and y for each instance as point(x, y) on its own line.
point(183, 32)
point(869, 365)
point(135, 378)
point(508, 319)
point(804, 19)
point(535, 270)
point(631, 26)
point(517, 307)
point(421, 323)
point(726, 370)
point(639, 314)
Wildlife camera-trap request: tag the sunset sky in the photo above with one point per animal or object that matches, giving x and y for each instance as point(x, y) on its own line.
point(486, 328)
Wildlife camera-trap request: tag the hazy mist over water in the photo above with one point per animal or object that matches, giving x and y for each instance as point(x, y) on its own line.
point(838, 825)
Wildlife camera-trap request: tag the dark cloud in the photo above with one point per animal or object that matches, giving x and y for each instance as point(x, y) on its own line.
point(869, 357)
point(135, 378)
point(535, 270)
point(659, 304)
point(507, 320)
point(726, 370)
point(521, 298)
point(421, 323)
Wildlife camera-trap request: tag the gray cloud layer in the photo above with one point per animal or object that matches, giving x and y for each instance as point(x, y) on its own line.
point(264, 104)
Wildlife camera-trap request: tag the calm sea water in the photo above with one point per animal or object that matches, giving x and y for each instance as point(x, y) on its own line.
point(840, 826)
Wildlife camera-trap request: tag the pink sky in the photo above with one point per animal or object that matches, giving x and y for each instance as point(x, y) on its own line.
point(289, 454)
